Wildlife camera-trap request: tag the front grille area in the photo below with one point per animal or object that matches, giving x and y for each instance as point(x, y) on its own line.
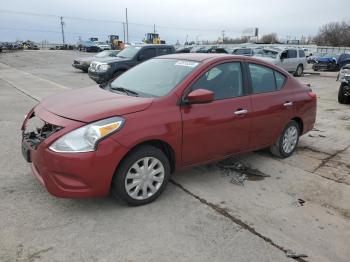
point(37, 130)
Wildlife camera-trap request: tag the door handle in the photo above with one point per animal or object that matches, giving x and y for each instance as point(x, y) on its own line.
point(241, 112)
point(288, 104)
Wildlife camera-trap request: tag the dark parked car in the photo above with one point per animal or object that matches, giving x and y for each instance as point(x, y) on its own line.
point(167, 113)
point(209, 49)
point(111, 67)
point(184, 49)
point(331, 62)
point(84, 62)
point(344, 89)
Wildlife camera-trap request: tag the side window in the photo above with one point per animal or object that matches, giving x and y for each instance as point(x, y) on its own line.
point(148, 53)
point(301, 53)
point(164, 51)
point(279, 80)
point(292, 53)
point(263, 79)
point(225, 80)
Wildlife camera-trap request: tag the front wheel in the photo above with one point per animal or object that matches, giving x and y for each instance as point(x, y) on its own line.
point(141, 176)
point(287, 142)
point(342, 97)
point(300, 70)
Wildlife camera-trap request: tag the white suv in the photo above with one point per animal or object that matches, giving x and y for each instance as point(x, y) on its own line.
point(292, 60)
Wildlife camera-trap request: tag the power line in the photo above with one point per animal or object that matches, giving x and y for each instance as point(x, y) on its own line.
point(55, 32)
point(116, 21)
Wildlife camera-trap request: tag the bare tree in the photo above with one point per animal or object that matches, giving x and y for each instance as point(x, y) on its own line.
point(269, 38)
point(334, 34)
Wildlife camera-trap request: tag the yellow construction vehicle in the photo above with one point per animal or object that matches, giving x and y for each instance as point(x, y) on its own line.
point(153, 38)
point(115, 43)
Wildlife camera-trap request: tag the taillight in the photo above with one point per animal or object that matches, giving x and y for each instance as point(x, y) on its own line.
point(312, 94)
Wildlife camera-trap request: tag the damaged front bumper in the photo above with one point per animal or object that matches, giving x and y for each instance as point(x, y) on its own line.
point(70, 175)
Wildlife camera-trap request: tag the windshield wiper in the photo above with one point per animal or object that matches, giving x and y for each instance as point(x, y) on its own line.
point(121, 56)
point(124, 90)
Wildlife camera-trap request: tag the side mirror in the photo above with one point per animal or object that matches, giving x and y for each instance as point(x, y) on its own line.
point(200, 96)
point(141, 57)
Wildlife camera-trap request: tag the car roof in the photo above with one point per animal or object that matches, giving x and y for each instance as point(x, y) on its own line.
point(155, 45)
point(199, 57)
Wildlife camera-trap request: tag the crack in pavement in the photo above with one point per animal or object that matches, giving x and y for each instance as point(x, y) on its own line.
point(238, 221)
point(330, 157)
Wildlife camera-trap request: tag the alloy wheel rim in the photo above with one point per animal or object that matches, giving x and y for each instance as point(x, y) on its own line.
point(290, 139)
point(144, 178)
point(300, 70)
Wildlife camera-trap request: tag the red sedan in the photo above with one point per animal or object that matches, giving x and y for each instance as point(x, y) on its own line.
point(170, 112)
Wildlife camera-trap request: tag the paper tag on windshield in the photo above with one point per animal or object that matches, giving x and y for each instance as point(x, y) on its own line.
point(186, 63)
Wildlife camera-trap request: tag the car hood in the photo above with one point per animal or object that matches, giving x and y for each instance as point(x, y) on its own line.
point(326, 59)
point(111, 59)
point(93, 103)
point(92, 58)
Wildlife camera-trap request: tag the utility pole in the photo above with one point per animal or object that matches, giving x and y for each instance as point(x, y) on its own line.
point(154, 28)
point(123, 32)
point(127, 25)
point(223, 36)
point(62, 24)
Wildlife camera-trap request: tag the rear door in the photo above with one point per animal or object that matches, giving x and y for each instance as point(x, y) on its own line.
point(222, 127)
point(271, 110)
point(292, 57)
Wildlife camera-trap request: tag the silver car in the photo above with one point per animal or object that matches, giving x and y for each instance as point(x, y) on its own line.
point(292, 60)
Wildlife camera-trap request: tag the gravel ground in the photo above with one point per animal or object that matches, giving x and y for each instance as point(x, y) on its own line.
point(261, 208)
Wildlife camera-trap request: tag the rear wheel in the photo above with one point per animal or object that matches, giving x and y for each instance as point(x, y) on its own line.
point(300, 70)
point(342, 97)
point(142, 176)
point(288, 141)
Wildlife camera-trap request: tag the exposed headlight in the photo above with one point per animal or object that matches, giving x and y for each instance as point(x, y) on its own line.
point(102, 67)
point(86, 138)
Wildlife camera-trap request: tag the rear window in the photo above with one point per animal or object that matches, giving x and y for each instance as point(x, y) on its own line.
point(292, 53)
point(301, 53)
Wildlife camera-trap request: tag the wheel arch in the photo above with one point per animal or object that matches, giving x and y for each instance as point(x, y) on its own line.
point(166, 148)
point(300, 124)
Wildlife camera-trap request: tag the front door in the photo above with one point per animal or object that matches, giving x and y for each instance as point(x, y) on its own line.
point(222, 127)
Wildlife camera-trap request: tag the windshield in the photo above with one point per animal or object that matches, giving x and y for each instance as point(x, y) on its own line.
point(129, 52)
point(155, 77)
point(267, 53)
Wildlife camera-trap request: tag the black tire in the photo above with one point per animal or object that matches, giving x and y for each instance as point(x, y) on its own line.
point(300, 70)
point(277, 149)
point(118, 183)
point(342, 98)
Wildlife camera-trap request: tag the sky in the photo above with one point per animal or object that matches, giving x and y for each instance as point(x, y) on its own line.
point(175, 20)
